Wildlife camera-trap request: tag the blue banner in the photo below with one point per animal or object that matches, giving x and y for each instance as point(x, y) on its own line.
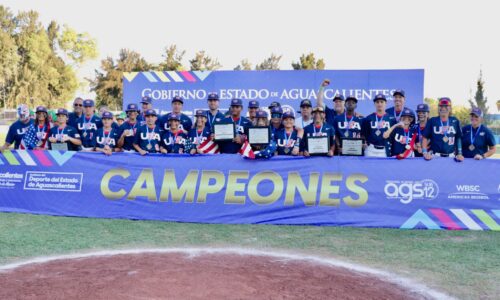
point(287, 87)
point(340, 191)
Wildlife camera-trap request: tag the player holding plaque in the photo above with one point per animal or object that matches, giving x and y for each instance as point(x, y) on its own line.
point(402, 137)
point(261, 148)
point(373, 128)
point(288, 138)
point(239, 125)
point(347, 128)
point(64, 137)
point(319, 137)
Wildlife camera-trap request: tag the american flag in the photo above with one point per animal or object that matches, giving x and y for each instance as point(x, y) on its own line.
point(30, 140)
point(267, 153)
point(207, 147)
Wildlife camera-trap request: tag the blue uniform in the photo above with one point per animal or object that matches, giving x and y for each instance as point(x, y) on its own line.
point(36, 136)
point(103, 138)
point(419, 132)
point(148, 139)
point(483, 139)
point(130, 131)
point(173, 142)
point(400, 137)
point(67, 131)
point(392, 112)
point(350, 125)
point(312, 130)
point(16, 132)
point(443, 135)
point(198, 137)
point(330, 115)
point(185, 124)
point(285, 141)
point(373, 128)
point(87, 128)
point(211, 119)
point(241, 126)
point(73, 119)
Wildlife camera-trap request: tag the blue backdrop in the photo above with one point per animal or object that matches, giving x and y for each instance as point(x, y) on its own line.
point(341, 191)
point(288, 87)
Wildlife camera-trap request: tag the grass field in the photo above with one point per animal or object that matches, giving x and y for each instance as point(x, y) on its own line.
point(464, 264)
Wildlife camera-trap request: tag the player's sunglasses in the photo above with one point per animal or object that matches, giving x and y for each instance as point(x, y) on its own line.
point(77, 104)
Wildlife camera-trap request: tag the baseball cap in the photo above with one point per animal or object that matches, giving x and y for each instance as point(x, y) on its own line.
point(288, 114)
point(408, 113)
point(318, 109)
point(200, 113)
point(261, 114)
point(379, 97)
point(107, 115)
point(121, 116)
point(146, 99)
point(178, 99)
point(132, 107)
point(351, 98)
point(236, 102)
point(213, 96)
point(477, 111)
point(62, 111)
point(88, 103)
point(338, 97)
point(276, 110)
point(444, 101)
point(398, 92)
point(253, 104)
point(305, 102)
point(423, 107)
point(41, 108)
point(273, 104)
point(150, 112)
point(174, 117)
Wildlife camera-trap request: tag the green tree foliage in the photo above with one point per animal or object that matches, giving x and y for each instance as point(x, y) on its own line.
point(108, 83)
point(270, 63)
point(479, 99)
point(36, 62)
point(308, 62)
point(203, 62)
point(173, 59)
point(458, 111)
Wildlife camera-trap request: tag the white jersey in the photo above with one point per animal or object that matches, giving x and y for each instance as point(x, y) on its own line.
point(299, 123)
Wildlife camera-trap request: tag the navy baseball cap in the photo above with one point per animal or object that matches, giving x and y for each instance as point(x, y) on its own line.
point(62, 111)
point(88, 103)
point(477, 111)
point(107, 115)
point(213, 96)
point(398, 92)
point(444, 101)
point(132, 107)
point(379, 97)
point(147, 100)
point(273, 104)
point(305, 102)
point(288, 114)
point(200, 113)
point(236, 102)
point(351, 98)
point(174, 117)
point(338, 97)
point(423, 108)
point(178, 99)
point(276, 110)
point(253, 104)
point(150, 112)
point(41, 108)
point(261, 114)
point(408, 113)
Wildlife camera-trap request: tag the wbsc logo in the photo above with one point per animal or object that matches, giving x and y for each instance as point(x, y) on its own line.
point(468, 192)
point(408, 190)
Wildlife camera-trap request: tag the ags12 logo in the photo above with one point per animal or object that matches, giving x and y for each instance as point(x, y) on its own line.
point(408, 190)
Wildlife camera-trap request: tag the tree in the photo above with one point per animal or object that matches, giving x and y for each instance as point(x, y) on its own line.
point(433, 106)
point(244, 65)
point(308, 62)
point(108, 83)
point(270, 63)
point(479, 99)
point(462, 113)
point(173, 59)
point(203, 62)
point(78, 47)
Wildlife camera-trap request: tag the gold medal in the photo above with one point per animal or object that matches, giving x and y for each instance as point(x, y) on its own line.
point(149, 147)
point(445, 139)
point(471, 147)
point(287, 150)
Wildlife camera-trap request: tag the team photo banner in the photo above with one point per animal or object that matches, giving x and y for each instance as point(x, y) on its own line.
point(339, 191)
point(287, 87)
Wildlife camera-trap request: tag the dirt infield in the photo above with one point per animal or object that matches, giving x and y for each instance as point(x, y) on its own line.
point(182, 276)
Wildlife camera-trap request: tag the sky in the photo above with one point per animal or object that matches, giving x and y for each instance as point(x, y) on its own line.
point(451, 40)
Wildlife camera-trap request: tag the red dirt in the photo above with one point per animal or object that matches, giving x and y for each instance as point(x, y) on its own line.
point(177, 276)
